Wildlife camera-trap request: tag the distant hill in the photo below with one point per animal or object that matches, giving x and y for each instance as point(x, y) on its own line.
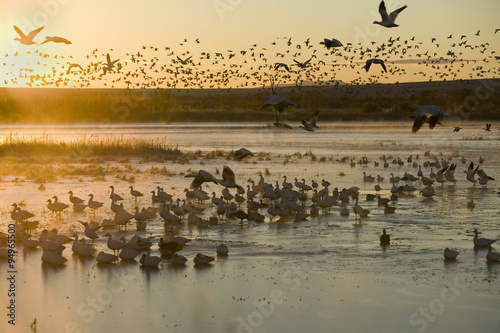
point(468, 100)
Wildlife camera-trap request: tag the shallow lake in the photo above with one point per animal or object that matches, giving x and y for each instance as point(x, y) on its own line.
point(325, 274)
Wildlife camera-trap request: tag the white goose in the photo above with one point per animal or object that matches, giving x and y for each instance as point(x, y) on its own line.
point(19, 215)
point(106, 258)
point(178, 260)
point(492, 256)
point(73, 199)
point(149, 261)
point(113, 196)
point(388, 19)
point(202, 259)
point(52, 258)
point(135, 193)
point(222, 250)
point(482, 242)
point(94, 204)
point(128, 254)
point(431, 114)
point(110, 64)
point(369, 62)
point(114, 244)
point(90, 232)
point(55, 39)
point(27, 40)
point(450, 254)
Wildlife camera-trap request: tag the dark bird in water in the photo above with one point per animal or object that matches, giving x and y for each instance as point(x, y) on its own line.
point(385, 239)
point(240, 215)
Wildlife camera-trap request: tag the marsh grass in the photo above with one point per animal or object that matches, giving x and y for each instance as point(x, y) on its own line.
point(44, 160)
point(45, 149)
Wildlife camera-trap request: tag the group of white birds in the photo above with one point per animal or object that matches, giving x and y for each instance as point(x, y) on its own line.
point(491, 256)
point(284, 201)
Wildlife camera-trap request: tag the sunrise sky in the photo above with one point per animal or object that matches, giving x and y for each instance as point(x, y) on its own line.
point(221, 25)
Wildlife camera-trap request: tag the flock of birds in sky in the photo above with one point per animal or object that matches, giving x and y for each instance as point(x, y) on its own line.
point(258, 202)
point(285, 61)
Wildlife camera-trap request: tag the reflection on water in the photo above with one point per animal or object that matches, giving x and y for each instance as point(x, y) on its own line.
point(352, 269)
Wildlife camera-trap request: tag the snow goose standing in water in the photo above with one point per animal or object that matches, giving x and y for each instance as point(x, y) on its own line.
point(483, 177)
point(471, 173)
point(482, 242)
point(135, 193)
point(113, 196)
point(89, 231)
point(114, 244)
point(94, 204)
point(388, 19)
point(19, 215)
point(73, 199)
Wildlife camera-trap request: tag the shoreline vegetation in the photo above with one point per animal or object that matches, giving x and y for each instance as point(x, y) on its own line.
point(44, 160)
point(474, 100)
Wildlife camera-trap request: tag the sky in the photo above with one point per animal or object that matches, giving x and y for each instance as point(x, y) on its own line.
point(222, 25)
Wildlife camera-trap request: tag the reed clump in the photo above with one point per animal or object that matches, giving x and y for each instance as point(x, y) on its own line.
point(48, 150)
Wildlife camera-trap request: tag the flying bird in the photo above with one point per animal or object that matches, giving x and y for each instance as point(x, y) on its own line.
point(428, 113)
point(369, 62)
point(303, 64)
point(278, 65)
point(331, 43)
point(110, 64)
point(242, 153)
point(27, 40)
point(279, 104)
point(185, 61)
point(307, 126)
point(388, 19)
point(55, 39)
point(73, 66)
